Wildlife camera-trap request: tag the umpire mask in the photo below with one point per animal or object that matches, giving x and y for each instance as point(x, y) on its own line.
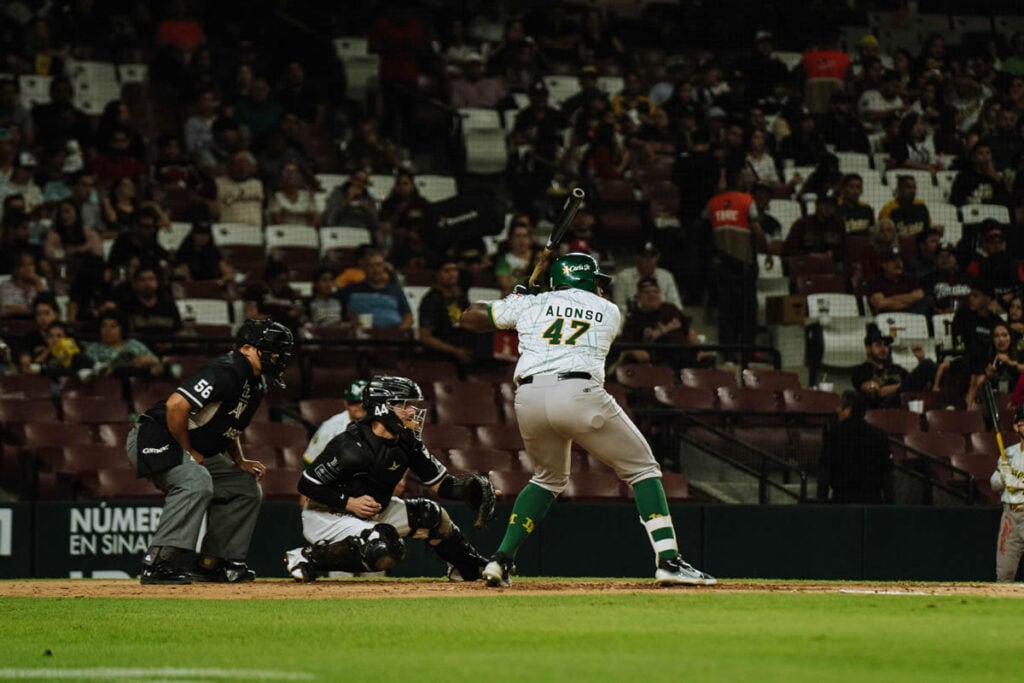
point(273, 342)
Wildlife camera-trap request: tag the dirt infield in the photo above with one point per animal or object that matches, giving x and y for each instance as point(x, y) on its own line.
point(280, 589)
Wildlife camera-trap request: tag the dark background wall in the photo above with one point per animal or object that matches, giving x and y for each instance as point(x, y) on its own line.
point(729, 541)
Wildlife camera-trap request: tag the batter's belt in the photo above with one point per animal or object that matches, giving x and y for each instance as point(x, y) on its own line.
point(1014, 507)
point(560, 376)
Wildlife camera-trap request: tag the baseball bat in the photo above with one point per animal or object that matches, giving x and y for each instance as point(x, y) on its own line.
point(562, 225)
point(990, 400)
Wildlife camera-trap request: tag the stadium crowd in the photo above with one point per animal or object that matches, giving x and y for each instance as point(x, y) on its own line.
point(875, 150)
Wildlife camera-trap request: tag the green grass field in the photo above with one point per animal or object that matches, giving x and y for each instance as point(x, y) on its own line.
point(671, 635)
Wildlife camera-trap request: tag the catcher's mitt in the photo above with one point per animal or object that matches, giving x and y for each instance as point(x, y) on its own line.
point(480, 496)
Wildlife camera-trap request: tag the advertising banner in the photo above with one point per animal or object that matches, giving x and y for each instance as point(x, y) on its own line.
point(15, 540)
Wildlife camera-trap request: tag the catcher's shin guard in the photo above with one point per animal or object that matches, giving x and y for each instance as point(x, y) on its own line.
point(459, 552)
point(374, 550)
point(427, 519)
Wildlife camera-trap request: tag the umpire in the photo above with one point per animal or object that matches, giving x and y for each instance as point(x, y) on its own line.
point(183, 445)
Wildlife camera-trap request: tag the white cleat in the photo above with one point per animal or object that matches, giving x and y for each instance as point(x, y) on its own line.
point(498, 572)
point(676, 572)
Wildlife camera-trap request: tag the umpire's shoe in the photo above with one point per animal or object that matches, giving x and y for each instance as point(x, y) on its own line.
point(297, 564)
point(499, 571)
point(216, 570)
point(677, 572)
point(164, 574)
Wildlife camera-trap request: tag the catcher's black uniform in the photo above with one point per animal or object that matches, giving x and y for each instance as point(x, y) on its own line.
point(357, 462)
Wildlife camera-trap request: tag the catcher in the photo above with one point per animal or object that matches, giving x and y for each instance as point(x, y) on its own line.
point(351, 519)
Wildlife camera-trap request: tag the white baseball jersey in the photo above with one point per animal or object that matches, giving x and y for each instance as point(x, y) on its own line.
point(330, 428)
point(566, 330)
point(1016, 481)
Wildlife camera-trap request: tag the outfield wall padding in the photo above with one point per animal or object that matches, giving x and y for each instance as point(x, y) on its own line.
point(107, 539)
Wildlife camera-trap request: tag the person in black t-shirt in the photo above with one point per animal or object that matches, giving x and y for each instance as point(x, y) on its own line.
point(856, 461)
point(188, 447)
point(972, 340)
point(879, 381)
point(440, 312)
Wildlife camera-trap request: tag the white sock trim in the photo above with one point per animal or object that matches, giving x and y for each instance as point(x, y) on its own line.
point(658, 523)
point(665, 544)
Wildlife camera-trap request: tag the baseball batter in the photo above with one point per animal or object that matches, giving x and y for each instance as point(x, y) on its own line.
point(564, 338)
point(1009, 477)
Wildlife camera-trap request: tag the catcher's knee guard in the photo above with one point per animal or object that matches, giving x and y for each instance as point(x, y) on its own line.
point(427, 519)
point(377, 549)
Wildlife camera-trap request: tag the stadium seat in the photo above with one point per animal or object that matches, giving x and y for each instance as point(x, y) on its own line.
point(893, 421)
point(93, 410)
point(465, 403)
point(707, 378)
point(436, 188)
point(820, 283)
point(481, 459)
point(24, 386)
point(955, 421)
point(797, 400)
point(118, 483)
point(92, 456)
point(500, 437)
point(316, 411)
point(644, 375)
point(280, 484)
point(594, 486)
point(277, 435)
point(941, 446)
point(286, 235)
point(981, 466)
point(509, 482)
point(114, 434)
point(448, 437)
point(746, 400)
point(976, 213)
point(237, 234)
point(810, 264)
point(774, 380)
point(687, 398)
point(929, 399)
point(205, 311)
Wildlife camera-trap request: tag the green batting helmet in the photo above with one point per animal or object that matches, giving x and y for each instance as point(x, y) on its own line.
point(354, 393)
point(578, 271)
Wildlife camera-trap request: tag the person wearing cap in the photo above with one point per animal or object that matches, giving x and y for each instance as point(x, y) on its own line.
point(905, 210)
point(947, 284)
point(474, 88)
point(856, 461)
point(820, 233)
point(996, 265)
point(879, 381)
point(895, 290)
point(653, 321)
point(645, 266)
point(765, 74)
point(337, 423)
point(1008, 478)
point(980, 183)
point(588, 92)
point(876, 104)
point(858, 217)
point(840, 126)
